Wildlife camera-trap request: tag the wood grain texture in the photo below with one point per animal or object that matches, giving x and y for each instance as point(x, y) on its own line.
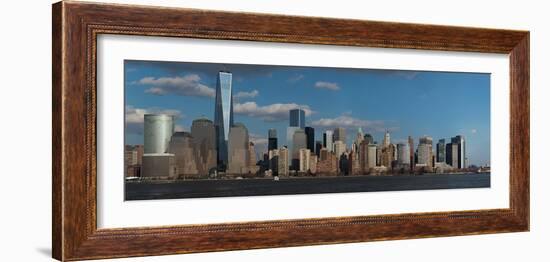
point(76, 27)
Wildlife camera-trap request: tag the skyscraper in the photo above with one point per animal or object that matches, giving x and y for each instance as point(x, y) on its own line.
point(251, 156)
point(158, 130)
point(318, 147)
point(297, 118)
point(369, 138)
point(299, 141)
point(388, 155)
point(304, 159)
point(182, 146)
point(339, 148)
point(452, 154)
point(273, 156)
point(310, 138)
point(272, 139)
point(411, 150)
point(282, 167)
point(371, 156)
point(363, 155)
point(203, 132)
point(441, 150)
point(386, 142)
point(327, 140)
point(290, 140)
point(340, 135)
point(425, 151)
point(360, 137)
point(403, 155)
point(238, 149)
point(461, 143)
point(223, 115)
point(156, 161)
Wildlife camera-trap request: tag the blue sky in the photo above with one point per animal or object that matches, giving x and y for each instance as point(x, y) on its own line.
point(416, 103)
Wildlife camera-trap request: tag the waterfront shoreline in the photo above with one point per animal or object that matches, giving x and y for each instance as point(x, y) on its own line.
point(162, 189)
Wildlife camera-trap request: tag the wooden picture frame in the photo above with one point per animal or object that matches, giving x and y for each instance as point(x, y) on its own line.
point(76, 26)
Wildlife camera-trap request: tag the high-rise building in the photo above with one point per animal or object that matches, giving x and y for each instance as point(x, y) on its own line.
point(282, 168)
point(343, 164)
point(272, 139)
point(369, 138)
point(313, 160)
point(159, 165)
point(387, 141)
point(289, 139)
point(158, 129)
point(156, 162)
point(327, 164)
point(297, 118)
point(182, 146)
point(452, 154)
point(440, 151)
point(371, 156)
point(411, 150)
point(339, 148)
point(423, 153)
point(299, 141)
point(310, 138)
point(354, 161)
point(363, 156)
point(379, 154)
point(327, 140)
point(304, 157)
point(403, 155)
point(340, 134)
point(426, 140)
point(132, 160)
point(461, 143)
point(133, 155)
point(251, 156)
point(238, 149)
point(223, 115)
point(318, 147)
point(203, 132)
point(360, 137)
point(425, 156)
point(388, 155)
point(273, 156)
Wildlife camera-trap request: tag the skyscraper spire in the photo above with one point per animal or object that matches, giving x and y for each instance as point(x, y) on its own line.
point(386, 142)
point(223, 114)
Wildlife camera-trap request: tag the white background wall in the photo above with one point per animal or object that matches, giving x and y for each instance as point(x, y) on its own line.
point(25, 131)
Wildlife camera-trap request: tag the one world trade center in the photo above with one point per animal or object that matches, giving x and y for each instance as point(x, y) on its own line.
point(223, 116)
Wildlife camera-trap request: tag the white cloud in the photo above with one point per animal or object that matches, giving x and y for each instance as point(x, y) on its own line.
point(241, 95)
point(134, 117)
point(296, 78)
point(188, 85)
point(260, 143)
point(327, 85)
point(258, 139)
point(271, 113)
point(474, 131)
point(349, 122)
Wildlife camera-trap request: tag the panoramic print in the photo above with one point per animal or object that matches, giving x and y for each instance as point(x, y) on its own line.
point(219, 130)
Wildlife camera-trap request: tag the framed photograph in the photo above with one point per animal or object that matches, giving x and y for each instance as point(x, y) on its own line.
point(182, 130)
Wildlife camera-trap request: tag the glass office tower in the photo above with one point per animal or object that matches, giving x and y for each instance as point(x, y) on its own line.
point(298, 118)
point(223, 116)
point(272, 139)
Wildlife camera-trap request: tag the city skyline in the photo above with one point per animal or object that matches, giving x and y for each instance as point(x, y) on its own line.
point(185, 90)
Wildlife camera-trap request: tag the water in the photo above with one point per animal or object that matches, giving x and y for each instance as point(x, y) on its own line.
point(261, 187)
